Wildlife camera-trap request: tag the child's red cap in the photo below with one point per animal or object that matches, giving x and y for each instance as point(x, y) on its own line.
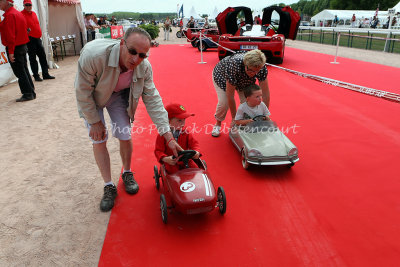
point(177, 111)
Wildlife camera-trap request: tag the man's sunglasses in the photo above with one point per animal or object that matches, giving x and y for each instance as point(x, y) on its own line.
point(133, 52)
point(27, 5)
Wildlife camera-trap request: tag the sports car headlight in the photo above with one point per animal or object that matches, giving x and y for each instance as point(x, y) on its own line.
point(254, 153)
point(292, 152)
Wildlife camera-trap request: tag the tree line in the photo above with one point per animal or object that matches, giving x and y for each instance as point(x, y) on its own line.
point(312, 7)
point(304, 7)
point(137, 16)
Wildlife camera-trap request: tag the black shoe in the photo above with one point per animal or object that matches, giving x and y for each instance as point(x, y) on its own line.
point(107, 202)
point(25, 98)
point(131, 187)
point(48, 77)
point(37, 78)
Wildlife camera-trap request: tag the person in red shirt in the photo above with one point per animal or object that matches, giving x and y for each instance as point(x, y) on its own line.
point(177, 115)
point(14, 37)
point(35, 46)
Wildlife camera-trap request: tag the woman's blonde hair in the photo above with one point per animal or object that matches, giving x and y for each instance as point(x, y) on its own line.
point(254, 58)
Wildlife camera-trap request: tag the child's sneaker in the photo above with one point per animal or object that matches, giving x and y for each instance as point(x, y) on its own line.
point(216, 131)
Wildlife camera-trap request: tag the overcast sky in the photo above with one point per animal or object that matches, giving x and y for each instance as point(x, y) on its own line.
point(200, 6)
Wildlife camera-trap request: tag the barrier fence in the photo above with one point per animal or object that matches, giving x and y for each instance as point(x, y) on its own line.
point(379, 40)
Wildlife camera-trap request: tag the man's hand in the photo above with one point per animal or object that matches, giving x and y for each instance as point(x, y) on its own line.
point(172, 144)
point(11, 58)
point(97, 131)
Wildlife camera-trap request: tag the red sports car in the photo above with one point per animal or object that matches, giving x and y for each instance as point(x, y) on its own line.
point(268, 37)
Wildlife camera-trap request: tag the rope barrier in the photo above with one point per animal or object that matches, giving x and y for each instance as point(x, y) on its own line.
point(393, 97)
point(357, 88)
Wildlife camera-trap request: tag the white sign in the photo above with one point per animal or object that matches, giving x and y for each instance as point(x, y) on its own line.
point(391, 11)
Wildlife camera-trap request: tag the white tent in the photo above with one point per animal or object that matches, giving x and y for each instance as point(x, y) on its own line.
point(66, 18)
point(329, 15)
point(397, 7)
point(214, 14)
point(193, 13)
point(61, 17)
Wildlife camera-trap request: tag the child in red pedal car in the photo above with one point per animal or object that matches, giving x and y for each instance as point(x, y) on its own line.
point(177, 115)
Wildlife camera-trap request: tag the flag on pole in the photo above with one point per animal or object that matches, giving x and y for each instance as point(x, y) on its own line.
point(180, 11)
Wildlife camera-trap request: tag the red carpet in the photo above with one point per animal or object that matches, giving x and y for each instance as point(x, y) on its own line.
point(338, 206)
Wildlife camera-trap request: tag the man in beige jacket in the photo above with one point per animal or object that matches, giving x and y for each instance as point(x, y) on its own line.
point(114, 75)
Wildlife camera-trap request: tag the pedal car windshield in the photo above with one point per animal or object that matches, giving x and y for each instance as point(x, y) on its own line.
point(259, 126)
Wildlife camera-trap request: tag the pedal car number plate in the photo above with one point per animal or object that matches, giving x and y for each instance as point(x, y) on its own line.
point(248, 47)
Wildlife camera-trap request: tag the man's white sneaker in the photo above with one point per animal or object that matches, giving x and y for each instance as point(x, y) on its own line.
point(216, 131)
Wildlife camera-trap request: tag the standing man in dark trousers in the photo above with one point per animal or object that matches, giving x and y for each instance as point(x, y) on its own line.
point(35, 47)
point(14, 37)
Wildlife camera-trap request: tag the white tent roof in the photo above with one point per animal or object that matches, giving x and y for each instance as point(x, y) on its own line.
point(329, 14)
point(214, 14)
point(193, 13)
point(397, 7)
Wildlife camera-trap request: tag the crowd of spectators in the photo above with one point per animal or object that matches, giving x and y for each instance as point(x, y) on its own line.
point(92, 23)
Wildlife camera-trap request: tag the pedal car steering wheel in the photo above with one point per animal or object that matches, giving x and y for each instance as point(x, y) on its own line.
point(259, 118)
point(185, 156)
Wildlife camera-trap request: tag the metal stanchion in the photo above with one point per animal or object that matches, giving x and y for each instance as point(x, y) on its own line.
point(201, 50)
point(337, 48)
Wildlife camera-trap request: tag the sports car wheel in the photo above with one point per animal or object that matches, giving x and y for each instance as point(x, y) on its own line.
point(156, 177)
point(278, 60)
point(164, 209)
point(245, 163)
point(202, 46)
point(221, 198)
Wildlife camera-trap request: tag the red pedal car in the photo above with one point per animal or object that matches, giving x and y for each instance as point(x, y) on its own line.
point(190, 190)
point(268, 37)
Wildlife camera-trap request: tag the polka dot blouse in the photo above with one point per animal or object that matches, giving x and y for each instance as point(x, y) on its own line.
point(232, 69)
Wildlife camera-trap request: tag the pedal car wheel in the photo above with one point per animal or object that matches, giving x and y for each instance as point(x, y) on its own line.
point(245, 163)
point(221, 200)
point(179, 34)
point(194, 42)
point(163, 207)
point(202, 46)
point(156, 177)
